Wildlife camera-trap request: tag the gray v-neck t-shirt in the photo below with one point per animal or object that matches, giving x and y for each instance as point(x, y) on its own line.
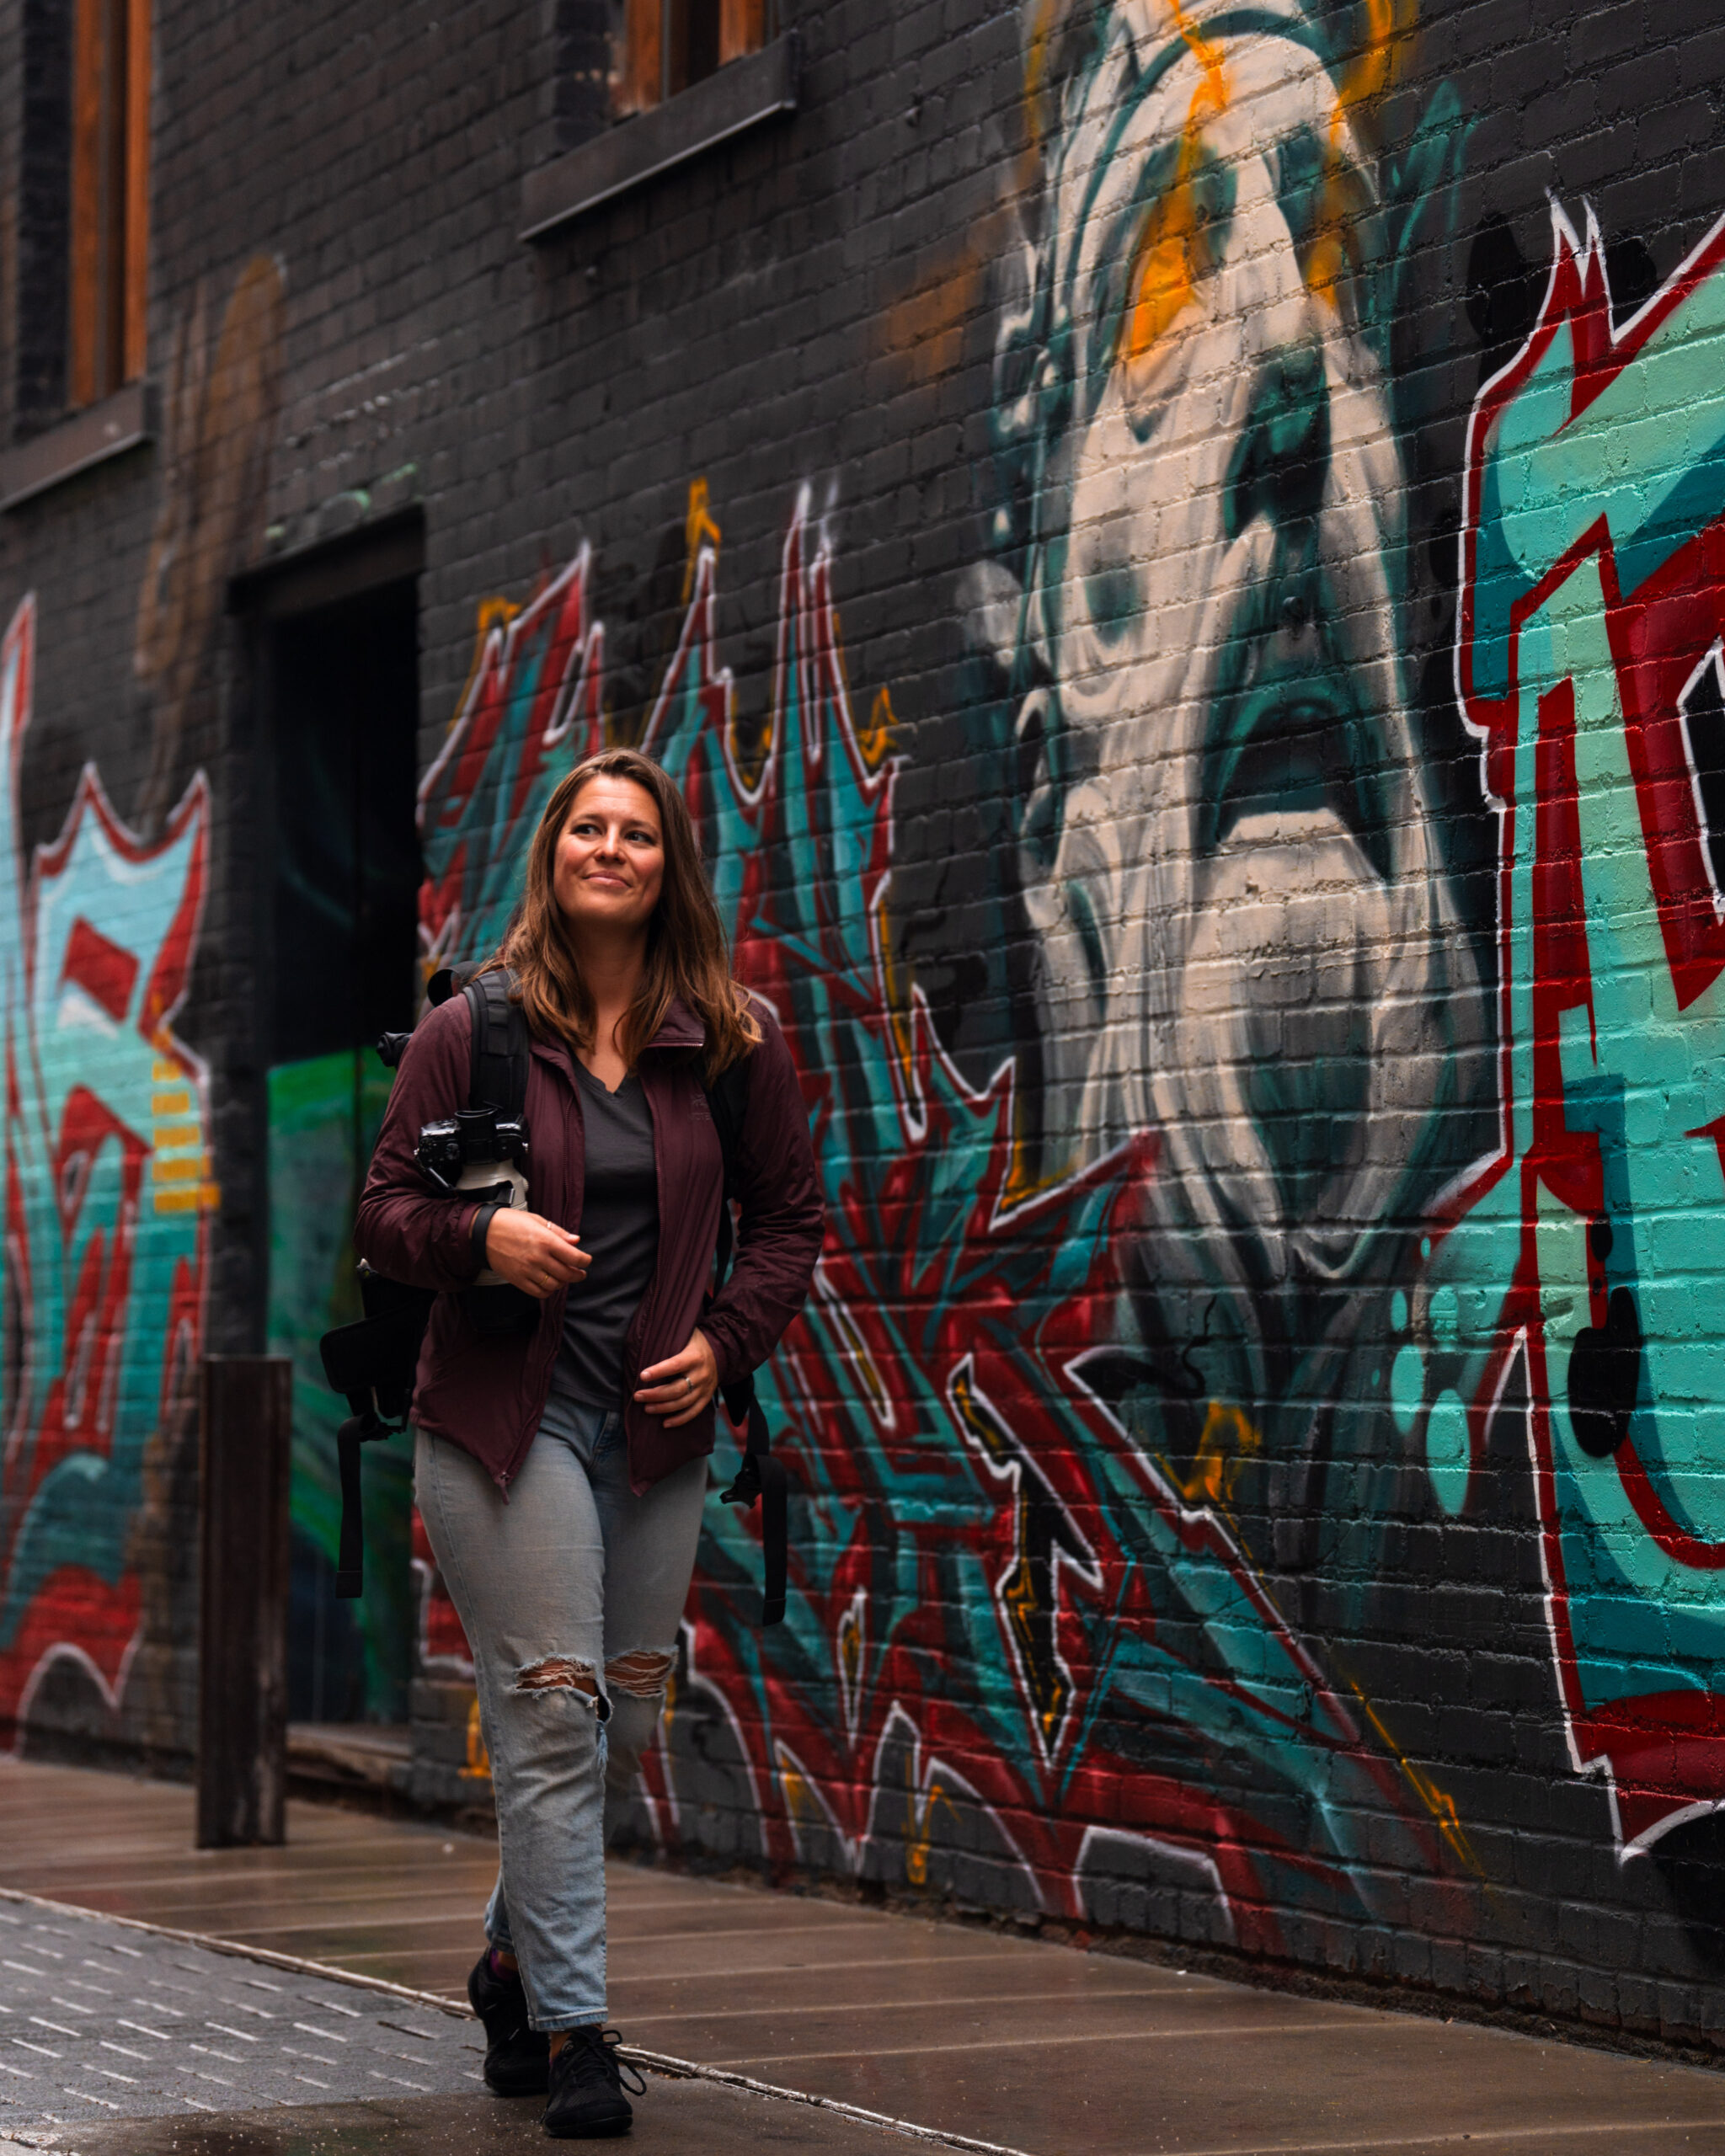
point(619, 1231)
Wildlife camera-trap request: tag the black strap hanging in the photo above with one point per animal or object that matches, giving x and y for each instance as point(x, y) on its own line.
point(361, 1429)
point(758, 1474)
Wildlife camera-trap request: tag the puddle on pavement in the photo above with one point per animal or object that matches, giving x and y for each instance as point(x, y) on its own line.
point(448, 2125)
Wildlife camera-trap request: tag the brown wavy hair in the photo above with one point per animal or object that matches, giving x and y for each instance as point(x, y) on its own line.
point(686, 953)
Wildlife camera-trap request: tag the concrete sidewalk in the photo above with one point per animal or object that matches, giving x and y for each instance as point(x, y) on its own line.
point(960, 2033)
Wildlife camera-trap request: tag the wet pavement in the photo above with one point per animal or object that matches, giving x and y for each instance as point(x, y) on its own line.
point(958, 2033)
point(675, 2115)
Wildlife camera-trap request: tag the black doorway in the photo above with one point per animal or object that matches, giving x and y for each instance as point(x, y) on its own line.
point(340, 766)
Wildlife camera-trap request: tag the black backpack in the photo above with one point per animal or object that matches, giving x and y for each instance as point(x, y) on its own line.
point(374, 1361)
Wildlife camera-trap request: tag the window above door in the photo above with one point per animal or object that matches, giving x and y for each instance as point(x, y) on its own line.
point(683, 77)
point(666, 46)
point(78, 393)
point(83, 205)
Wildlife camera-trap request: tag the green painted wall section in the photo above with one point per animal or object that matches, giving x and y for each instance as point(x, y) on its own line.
point(316, 1109)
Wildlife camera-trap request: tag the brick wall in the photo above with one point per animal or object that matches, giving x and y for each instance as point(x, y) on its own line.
point(1182, 568)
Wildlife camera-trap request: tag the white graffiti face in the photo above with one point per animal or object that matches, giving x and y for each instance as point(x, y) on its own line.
point(1243, 884)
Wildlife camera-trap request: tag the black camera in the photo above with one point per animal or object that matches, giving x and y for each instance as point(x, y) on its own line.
point(470, 1154)
point(470, 1138)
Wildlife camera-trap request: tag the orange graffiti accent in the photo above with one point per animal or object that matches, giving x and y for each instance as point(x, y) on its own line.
point(1329, 256)
point(1174, 250)
point(1228, 1440)
point(849, 1645)
point(1208, 57)
point(922, 1838)
point(1036, 57)
point(800, 1801)
point(1368, 74)
point(699, 529)
point(876, 739)
point(1329, 259)
point(1437, 1802)
point(920, 335)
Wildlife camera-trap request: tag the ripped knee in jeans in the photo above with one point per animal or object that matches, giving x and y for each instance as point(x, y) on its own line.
point(642, 1673)
point(562, 1672)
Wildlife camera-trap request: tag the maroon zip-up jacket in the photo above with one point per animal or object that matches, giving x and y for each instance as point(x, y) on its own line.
point(487, 1395)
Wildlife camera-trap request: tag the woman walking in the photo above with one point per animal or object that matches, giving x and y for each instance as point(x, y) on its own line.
point(561, 1471)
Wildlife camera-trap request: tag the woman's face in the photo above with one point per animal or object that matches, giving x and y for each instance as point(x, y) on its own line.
point(610, 862)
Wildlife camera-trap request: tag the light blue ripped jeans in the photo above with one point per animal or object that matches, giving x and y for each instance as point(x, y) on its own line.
point(570, 1594)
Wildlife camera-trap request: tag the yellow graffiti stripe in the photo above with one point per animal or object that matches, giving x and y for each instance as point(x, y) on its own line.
point(205, 1198)
point(1437, 1802)
point(179, 1164)
point(179, 1167)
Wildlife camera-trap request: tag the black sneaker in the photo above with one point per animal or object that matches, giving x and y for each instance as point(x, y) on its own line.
point(517, 2057)
point(587, 2099)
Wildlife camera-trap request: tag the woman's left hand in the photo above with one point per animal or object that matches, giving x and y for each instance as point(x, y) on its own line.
point(682, 1384)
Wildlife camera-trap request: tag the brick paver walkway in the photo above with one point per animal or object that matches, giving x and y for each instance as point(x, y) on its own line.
point(100, 2020)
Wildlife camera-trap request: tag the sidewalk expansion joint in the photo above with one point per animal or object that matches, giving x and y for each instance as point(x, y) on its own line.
point(683, 2070)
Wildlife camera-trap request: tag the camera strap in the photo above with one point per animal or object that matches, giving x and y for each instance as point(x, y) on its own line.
point(759, 1474)
point(501, 1045)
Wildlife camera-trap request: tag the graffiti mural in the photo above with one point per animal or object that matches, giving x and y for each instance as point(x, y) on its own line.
point(1582, 1269)
point(1016, 1614)
point(1152, 1385)
point(109, 1181)
point(106, 1192)
point(1025, 1608)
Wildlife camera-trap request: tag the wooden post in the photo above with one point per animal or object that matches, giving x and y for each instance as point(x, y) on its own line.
point(243, 1562)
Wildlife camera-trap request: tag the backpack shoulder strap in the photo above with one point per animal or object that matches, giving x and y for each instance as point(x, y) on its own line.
point(759, 1474)
point(728, 1096)
point(501, 1045)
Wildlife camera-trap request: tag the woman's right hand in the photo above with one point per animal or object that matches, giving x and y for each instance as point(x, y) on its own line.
point(533, 1254)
